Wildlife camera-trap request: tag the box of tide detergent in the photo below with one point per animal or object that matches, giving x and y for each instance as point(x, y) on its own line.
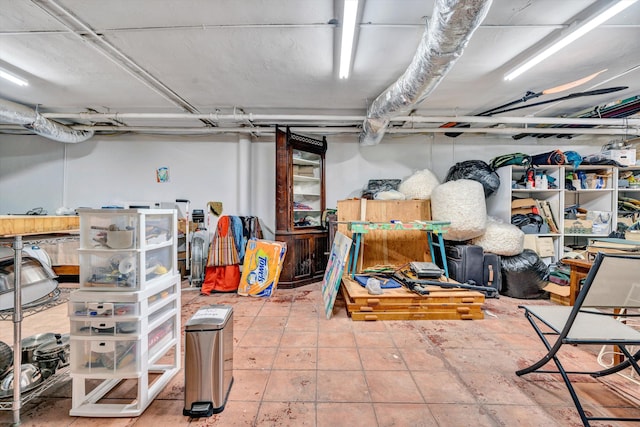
point(261, 269)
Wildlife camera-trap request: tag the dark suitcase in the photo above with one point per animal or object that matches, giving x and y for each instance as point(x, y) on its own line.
point(465, 263)
point(469, 264)
point(492, 271)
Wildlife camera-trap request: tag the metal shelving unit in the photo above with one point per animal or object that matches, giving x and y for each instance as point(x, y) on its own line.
point(17, 314)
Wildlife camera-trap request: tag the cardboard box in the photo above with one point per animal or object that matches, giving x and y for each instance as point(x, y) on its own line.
point(523, 203)
point(530, 242)
point(387, 246)
point(558, 293)
point(577, 226)
point(625, 157)
point(545, 247)
point(521, 211)
point(303, 170)
point(181, 226)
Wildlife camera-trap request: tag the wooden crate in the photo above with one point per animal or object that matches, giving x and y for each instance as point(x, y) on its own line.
point(20, 225)
point(387, 246)
point(402, 304)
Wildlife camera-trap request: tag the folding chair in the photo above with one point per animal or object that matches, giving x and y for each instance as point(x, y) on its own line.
point(613, 284)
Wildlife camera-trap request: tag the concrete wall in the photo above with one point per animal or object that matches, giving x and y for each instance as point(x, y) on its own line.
point(106, 170)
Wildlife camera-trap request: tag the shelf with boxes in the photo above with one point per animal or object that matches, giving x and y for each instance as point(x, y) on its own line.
point(125, 316)
point(574, 205)
point(534, 202)
point(589, 203)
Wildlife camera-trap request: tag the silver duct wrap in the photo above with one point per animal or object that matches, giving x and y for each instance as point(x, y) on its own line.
point(448, 33)
point(18, 114)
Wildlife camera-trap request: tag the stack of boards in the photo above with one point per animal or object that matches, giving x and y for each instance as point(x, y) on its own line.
point(402, 304)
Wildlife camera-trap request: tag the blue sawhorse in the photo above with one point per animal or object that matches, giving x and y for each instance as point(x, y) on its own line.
point(437, 228)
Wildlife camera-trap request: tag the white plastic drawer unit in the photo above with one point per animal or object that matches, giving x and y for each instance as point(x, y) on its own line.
point(124, 270)
point(124, 229)
point(105, 327)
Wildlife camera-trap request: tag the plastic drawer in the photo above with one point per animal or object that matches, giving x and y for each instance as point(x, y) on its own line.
point(158, 299)
point(105, 357)
point(160, 336)
point(104, 327)
point(116, 270)
point(110, 230)
point(163, 310)
point(158, 263)
point(124, 270)
point(103, 309)
point(121, 229)
point(158, 229)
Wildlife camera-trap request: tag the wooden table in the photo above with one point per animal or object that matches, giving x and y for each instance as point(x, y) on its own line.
point(579, 270)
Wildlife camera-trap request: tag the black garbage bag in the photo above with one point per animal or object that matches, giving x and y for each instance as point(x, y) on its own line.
point(476, 170)
point(524, 276)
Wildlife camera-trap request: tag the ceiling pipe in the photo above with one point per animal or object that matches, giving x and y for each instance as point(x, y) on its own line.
point(29, 118)
point(319, 119)
point(448, 33)
point(627, 131)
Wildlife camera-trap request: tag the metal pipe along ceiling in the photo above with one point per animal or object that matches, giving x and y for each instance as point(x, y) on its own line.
point(30, 119)
point(448, 33)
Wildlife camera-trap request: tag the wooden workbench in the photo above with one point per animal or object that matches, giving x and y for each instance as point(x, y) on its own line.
point(25, 225)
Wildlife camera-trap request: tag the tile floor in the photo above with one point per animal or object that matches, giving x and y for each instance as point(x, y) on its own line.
point(293, 367)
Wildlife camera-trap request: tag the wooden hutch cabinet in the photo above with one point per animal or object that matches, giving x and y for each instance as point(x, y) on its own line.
point(300, 203)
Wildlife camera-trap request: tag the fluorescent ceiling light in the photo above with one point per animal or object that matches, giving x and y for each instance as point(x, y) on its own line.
point(575, 33)
point(13, 78)
point(348, 32)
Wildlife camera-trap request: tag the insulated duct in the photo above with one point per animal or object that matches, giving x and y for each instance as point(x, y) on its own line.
point(449, 30)
point(14, 113)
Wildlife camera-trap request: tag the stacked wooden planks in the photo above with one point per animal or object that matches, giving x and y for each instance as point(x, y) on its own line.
point(402, 304)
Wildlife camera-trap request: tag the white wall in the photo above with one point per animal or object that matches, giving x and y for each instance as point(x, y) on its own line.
point(115, 169)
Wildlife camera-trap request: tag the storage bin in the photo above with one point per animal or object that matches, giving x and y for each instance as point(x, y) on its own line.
point(108, 231)
point(105, 357)
point(119, 229)
point(104, 327)
point(110, 270)
point(124, 270)
point(160, 336)
point(103, 309)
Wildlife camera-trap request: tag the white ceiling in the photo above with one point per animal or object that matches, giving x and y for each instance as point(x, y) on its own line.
point(277, 57)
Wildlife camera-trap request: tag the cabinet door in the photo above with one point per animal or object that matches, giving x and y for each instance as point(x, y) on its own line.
point(300, 188)
point(307, 194)
point(306, 258)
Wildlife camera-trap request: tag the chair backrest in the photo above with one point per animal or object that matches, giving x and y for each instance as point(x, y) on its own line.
point(612, 282)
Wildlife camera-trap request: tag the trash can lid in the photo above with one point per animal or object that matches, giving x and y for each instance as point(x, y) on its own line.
point(210, 317)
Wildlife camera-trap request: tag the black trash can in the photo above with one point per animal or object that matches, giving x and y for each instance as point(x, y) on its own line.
point(208, 367)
